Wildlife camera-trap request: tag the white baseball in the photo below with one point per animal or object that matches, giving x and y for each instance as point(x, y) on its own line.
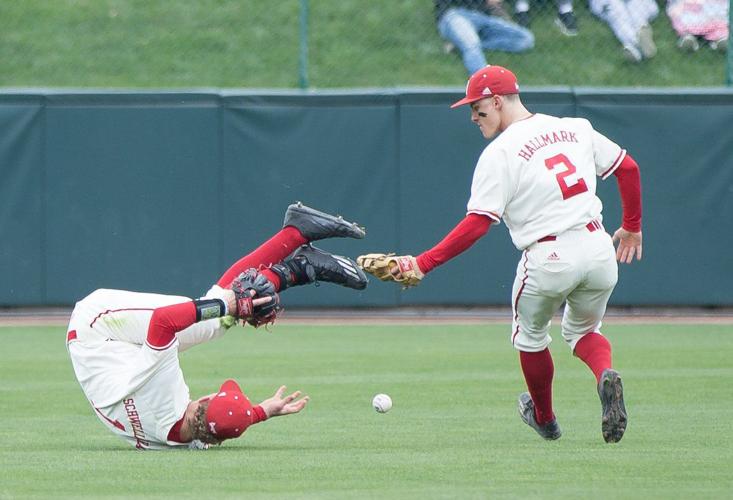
point(382, 403)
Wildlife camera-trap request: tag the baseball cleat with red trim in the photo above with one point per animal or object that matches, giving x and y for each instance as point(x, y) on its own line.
point(315, 225)
point(550, 430)
point(613, 416)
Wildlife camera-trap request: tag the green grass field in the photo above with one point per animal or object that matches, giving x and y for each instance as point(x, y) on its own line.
point(453, 432)
point(352, 43)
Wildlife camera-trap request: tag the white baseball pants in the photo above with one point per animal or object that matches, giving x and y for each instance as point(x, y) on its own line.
point(577, 267)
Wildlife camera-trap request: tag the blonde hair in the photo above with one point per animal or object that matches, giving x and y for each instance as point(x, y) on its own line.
point(200, 428)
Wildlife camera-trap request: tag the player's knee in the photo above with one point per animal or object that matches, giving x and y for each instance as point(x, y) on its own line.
point(531, 340)
point(530, 345)
point(526, 42)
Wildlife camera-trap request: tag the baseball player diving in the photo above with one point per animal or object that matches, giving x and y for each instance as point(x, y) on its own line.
point(124, 345)
point(539, 176)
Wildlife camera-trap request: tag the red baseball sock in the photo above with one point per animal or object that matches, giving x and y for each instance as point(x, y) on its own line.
point(273, 250)
point(595, 351)
point(538, 370)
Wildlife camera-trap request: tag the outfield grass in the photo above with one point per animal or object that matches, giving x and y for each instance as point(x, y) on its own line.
point(453, 432)
point(352, 43)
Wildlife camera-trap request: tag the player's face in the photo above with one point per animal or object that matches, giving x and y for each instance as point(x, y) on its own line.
point(485, 114)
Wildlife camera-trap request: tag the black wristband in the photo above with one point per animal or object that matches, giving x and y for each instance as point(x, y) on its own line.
point(209, 308)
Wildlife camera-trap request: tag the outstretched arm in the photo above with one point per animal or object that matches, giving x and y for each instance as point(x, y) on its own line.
point(167, 321)
point(409, 271)
point(628, 235)
point(462, 237)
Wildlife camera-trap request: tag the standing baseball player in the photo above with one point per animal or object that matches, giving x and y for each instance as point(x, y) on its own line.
point(539, 176)
point(124, 345)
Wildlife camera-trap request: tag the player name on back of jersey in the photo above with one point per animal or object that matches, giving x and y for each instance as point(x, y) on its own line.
point(141, 441)
point(543, 140)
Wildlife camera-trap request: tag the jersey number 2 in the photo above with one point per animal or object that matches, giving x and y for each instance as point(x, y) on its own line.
point(562, 162)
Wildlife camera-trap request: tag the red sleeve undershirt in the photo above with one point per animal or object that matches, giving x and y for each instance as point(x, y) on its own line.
point(167, 321)
point(629, 187)
point(466, 233)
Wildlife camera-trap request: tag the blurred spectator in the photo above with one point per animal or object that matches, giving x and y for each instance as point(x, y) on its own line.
point(474, 25)
point(565, 19)
point(697, 21)
point(629, 20)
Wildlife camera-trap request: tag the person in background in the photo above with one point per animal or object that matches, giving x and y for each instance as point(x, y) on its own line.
point(699, 22)
point(565, 20)
point(472, 26)
point(629, 20)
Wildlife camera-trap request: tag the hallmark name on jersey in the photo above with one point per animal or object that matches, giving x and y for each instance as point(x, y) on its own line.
point(542, 140)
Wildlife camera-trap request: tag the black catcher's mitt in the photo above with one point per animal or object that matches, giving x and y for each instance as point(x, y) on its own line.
point(250, 286)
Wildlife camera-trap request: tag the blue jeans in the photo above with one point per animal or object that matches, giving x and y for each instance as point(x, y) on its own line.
point(472, 31)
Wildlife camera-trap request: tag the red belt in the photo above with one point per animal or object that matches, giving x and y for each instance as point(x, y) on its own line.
point(71, 336)
point(593, 225)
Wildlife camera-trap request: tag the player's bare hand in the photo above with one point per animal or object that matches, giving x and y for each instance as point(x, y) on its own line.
point(261, 301)
point(394, 270)
point(629, 245)
point(279, 404)
point(230, 298)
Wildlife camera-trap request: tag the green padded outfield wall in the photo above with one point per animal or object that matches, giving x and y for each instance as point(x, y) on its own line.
point(161, 191)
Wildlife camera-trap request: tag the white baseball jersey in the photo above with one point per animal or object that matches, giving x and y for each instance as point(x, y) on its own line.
point(539, 176)
point(137, 390)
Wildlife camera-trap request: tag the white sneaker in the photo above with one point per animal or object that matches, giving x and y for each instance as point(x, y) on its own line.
point(646, 42)
point(719, 45)
point(632, 54)
point(688, 43)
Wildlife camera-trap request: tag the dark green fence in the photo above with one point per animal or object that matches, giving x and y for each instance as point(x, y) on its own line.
point(161, 191)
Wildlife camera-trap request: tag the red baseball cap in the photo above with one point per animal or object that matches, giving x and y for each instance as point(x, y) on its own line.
point(230, 412)
point(488, 81)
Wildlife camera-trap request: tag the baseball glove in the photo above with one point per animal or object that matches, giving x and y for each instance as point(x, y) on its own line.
point(402, 269)
point(251, 285)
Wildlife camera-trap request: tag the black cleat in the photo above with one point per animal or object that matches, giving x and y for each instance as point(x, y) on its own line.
point(522, 18)
point(613, 417)
point(550, 430)
point(310, 264)
point(315, 225)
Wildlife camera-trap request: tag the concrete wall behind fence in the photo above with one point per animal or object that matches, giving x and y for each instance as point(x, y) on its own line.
point(162, 191)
